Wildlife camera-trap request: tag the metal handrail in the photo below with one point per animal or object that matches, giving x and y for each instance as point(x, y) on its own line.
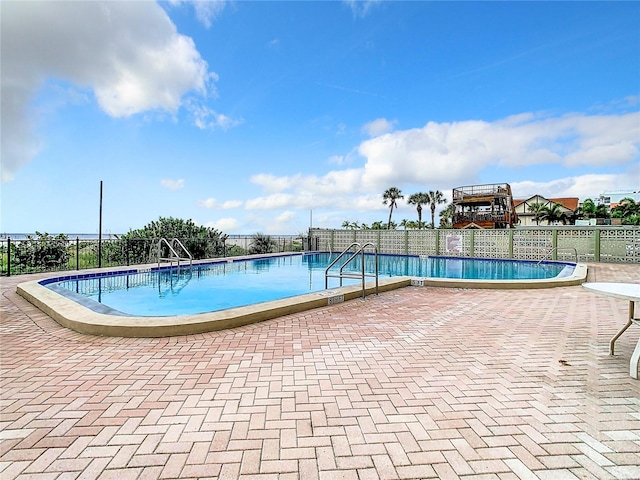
point(341, 274)
point(555, 249)
point(175, 256)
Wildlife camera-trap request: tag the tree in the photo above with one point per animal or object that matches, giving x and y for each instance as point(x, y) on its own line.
point(554, 213)
point(42, 253)
point(390, 197)
point(588, 208)
point(537, 208)
point(409, 224)
point(200, 241)
point(633, 219)
point(627, 206)
point(446, 216)
point(435, 198)
point(261, 243)
point(628, 211)
point(419, 199)
point(602, 211)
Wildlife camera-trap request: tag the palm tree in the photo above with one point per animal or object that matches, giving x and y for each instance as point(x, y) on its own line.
point(261, 243)
point(408, 224)
point(537, 208)
point(625, 208)
point(419, 199)
point(446, 216)
point(390, 196)
point(435, 198)
point(350, 225)
point(553, 213)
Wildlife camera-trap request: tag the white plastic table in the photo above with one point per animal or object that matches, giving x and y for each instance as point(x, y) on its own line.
point(624, 291)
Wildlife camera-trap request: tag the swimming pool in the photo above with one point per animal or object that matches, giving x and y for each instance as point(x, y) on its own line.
point(152, 301)
point(220, 285)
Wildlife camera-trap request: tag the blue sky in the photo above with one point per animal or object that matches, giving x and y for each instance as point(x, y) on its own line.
point(247, 116)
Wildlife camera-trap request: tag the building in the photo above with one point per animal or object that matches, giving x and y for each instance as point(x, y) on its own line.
point(526, 217)
point(611, 198)
point(483, 206)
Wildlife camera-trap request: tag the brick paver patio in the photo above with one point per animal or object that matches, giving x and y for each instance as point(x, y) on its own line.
point(415, 383)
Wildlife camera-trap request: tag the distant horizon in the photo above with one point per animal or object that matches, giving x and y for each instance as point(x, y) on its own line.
point(337, 227)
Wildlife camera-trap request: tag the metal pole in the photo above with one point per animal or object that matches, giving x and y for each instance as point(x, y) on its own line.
point(100, 231)
point(8, 256)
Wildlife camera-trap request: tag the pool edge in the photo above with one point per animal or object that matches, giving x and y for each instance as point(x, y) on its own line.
point(79, 318)
point(578, 277)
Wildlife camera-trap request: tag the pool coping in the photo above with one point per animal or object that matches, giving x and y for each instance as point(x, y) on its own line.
point(82, 319)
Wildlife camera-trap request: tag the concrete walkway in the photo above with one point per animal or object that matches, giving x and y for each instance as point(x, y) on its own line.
point(416, 383)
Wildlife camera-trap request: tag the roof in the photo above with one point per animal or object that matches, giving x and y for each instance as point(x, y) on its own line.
point(570, 203)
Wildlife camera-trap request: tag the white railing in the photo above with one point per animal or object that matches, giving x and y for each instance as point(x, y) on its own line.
point(174, 254)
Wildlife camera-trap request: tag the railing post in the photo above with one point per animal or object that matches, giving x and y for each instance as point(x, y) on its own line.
point(8, 256)
point(77, 253)
point(511, 243)
point(406, 242)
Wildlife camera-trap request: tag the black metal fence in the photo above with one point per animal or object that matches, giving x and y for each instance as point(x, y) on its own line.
point(34, 255)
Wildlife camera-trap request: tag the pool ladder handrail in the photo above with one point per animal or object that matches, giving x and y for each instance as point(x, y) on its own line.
point(555, 249)
point(362, 275)
point(174, 255)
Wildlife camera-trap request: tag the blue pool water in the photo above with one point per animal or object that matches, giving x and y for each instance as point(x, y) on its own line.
point(227, 284)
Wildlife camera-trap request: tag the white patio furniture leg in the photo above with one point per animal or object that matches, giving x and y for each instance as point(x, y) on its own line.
point(612, 343)
point(634, 363)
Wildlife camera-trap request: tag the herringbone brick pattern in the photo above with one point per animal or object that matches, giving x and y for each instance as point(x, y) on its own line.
point(416, 383)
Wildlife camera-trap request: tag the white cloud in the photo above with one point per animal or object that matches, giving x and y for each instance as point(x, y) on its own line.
point(172, 184)
point(286, 217)
point(361, 8)
point(128, 53)
point(336, 159)
point(378, 127)
point(448, 153)
point(213, 203)
point(584, 186)
point(270, 202)
point(206, 118)
point(444, 155)
point(206, 10)
point(225, 225)
point(271, 183)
